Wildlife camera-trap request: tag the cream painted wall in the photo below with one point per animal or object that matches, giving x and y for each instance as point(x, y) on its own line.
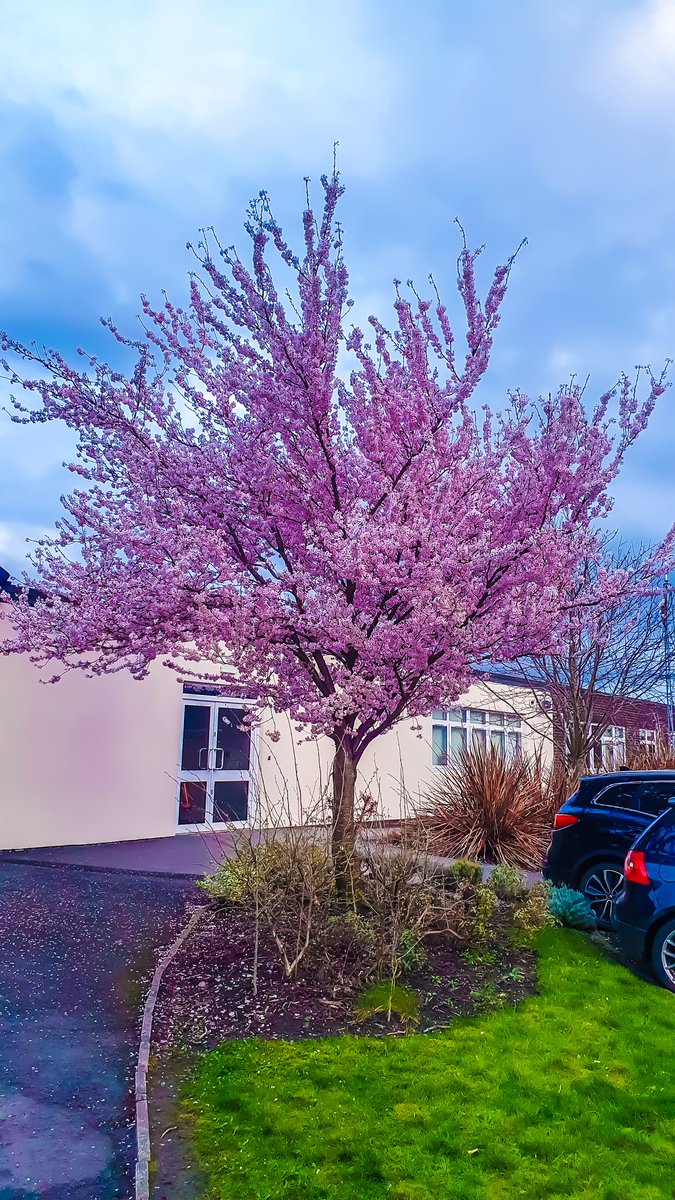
point(86, 760)
point(95, 760)
point(398, 769)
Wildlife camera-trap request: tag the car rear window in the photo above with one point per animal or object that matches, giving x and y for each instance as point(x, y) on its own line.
point(620, 795)
point(638, 796)
point(655, 797)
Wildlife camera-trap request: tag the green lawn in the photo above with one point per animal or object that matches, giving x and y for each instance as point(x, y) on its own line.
point(570, 1095)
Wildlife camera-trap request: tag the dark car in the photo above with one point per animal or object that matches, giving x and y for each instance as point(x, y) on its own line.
point(644, 911)
point(597, 826)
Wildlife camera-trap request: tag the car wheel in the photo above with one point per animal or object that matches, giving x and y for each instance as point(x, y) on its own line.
point(663, 955)
point(601, 885)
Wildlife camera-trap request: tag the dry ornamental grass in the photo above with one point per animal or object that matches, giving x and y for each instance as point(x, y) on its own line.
point(484, 806)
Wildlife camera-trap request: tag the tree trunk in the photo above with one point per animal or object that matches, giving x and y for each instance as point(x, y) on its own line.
point(343, 837)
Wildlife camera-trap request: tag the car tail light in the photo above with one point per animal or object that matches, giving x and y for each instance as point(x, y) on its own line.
point(634, 868)
point(562, 820)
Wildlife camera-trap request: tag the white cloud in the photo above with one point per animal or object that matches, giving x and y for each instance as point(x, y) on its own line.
point(640, 56)
point(262, 78)
point(165, 109)
point(15, 539)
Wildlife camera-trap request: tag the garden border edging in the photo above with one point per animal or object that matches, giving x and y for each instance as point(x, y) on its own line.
point(142, 1172)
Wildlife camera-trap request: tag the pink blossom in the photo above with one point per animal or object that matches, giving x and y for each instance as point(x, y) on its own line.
point(352, 542)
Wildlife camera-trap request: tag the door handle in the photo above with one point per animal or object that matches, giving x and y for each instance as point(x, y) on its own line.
point(218, 766)
point(204, 750)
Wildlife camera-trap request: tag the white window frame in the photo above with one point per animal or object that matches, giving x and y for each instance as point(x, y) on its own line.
point(612, 745)
point(214, 700)
point(647, 738)
point(469, 720)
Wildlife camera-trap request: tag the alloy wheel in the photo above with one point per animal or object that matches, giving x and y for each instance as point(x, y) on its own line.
point(668, 956)
point(601, 891)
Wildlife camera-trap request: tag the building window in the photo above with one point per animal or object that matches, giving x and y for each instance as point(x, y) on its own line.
point(455, 728)
point(648, 739)
point(608, 752)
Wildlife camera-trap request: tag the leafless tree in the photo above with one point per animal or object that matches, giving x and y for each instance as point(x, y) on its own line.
point(609, 656)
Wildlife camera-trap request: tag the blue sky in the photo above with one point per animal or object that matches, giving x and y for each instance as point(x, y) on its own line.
point(125, 127)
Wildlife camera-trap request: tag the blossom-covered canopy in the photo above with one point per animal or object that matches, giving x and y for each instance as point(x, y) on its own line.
point(272, 489)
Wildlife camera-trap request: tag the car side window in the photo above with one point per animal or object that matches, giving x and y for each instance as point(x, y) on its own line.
point(654, 797)
point(619, 795)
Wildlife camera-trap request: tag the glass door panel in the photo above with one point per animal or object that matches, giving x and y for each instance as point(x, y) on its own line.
point(233, 741)
point(192, 802)
point(196, 731)
point(230, 800)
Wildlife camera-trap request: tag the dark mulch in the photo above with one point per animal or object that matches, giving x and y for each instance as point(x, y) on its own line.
point(207, 993)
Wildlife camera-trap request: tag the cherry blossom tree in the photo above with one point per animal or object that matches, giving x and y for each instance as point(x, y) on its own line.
point(271, 490)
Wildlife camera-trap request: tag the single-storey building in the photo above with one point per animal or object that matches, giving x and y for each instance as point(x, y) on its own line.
point(110, 758)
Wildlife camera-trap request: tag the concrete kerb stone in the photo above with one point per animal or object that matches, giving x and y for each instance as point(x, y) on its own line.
point(142, 1175)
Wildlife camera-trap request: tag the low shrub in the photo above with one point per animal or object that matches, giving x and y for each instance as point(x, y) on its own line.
point(278, 865)
point(463, 870)
point(287, 882)
point(485, 806)
point(481, 925)
point(571, 908)
point(508, 883)
point(344, 947)
point(398, 891)
point(411, 951)
point(534, 914)
point(384, 996)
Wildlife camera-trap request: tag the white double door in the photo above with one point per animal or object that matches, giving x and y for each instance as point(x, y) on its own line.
point(214, 777)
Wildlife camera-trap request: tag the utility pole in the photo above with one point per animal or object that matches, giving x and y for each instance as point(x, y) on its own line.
point(669, 641)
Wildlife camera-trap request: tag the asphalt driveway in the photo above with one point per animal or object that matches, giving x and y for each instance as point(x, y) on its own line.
point(77, 949)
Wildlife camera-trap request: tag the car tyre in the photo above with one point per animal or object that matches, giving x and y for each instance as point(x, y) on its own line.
point(601, 885)
point(663, 955)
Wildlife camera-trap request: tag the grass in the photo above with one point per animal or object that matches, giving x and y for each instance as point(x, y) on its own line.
point(387, 997)
point(568, 1096)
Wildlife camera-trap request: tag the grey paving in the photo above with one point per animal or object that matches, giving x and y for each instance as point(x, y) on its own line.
point(77, 948)
point(187, 854)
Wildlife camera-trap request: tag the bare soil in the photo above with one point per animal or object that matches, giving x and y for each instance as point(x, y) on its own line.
point(207, 992)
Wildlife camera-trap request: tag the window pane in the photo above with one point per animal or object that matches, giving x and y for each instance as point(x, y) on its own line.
point(454, 714)
point(513, 744)
point(511, 721)
point(655, 797)
point(624, 795)
point(497, 739)
point(204, 689)
point(477, 717)
point(438, 714)
point(457, 738)
point(195, 737)
point(478, 737)
point(496, 718)
point(439, 745)
point(230, 800)
point(233, 739)
point(192, 803)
